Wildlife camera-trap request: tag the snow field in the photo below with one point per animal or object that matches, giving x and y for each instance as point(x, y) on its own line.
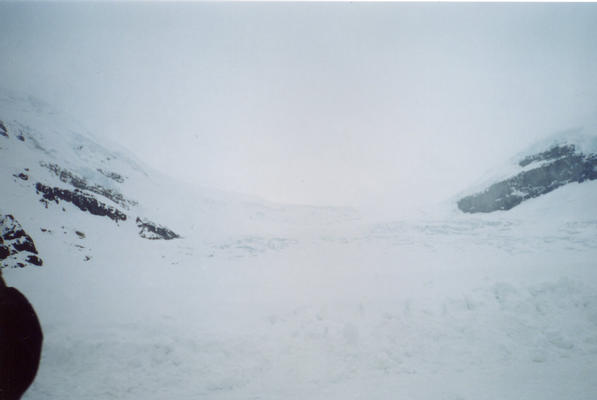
point(342, 318)
point(265, 301)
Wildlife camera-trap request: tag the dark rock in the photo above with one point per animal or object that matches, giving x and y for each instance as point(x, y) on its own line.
point(4, 252)
point(25, 244)
point(152, 231)
point(81, 235)
point(16, 246)
point(551, 154)
point(82, 200)
point(11, 229)
point(21, 137)
point(81, 183)
point(22, 176)
point(3, 130)
point(562, 166)
point(35, 260)
point(112, 175)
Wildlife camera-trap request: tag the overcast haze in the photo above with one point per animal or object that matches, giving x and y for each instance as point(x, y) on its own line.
point(346, 104)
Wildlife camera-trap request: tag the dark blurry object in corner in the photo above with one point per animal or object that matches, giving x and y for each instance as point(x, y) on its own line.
point(20, 343)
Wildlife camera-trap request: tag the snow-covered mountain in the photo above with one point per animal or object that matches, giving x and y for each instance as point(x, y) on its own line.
point(52, 163)
point(565, 158)
point(56, 175)
point(269, 301)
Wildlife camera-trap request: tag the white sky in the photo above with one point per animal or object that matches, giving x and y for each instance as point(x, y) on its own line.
point(345, 103)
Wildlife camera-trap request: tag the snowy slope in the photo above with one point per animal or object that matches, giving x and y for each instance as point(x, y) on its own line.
point(266, 301)
point(45, 153)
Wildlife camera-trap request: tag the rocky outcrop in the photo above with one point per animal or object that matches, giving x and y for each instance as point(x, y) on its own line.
point(556, 167)
point(82, 200)
point(153, 231)
point(551, 154)
point(17, 249)
point(112, 175)
point(81, 183)
point(23, 176)
point(3, 130)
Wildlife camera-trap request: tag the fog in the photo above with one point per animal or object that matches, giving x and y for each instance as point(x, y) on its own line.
point(379, 105)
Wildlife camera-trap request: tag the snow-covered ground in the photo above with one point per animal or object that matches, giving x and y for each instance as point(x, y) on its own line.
point(455, 309)
point(265, 301)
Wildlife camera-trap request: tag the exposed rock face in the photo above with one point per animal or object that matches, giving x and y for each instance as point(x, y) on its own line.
point(84, 201)
point(112, 175)
point(556, 167)
point(17, 249)
point(551, 154)
point(3, 130)
point(153, 231)
point(23, 176)
point(81, 183)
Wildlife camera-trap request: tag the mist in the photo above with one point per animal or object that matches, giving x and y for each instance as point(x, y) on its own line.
point(373, 105)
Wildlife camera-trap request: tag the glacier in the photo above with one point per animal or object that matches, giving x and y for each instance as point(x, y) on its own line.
point(257, 300)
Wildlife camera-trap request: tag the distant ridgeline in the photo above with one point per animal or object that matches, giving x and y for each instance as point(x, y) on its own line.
point(543, 172)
